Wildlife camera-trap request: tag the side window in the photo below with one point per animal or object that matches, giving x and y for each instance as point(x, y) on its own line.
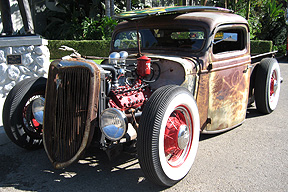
point(227, 40)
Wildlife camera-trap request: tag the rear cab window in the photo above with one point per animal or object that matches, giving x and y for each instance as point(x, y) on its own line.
point(228, 40)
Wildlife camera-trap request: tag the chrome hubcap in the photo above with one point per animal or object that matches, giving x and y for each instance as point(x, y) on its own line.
point(183, 136)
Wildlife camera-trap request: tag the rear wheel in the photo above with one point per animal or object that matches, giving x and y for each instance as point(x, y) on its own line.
point(19, 123)
point(168, 135)
point(267, 85)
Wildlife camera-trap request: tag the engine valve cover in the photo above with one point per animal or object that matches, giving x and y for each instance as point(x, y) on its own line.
point(126, 97)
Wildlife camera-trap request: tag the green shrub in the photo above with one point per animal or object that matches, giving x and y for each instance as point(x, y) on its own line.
point(100, 29)
point(260, 46)
point(101, 48)
point(281, 50)
point(98, 48)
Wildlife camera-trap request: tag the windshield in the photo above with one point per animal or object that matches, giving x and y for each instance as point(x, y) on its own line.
point(159, 38)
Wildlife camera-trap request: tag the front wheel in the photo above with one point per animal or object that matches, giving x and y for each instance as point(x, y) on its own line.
point(168, 135)
point(267, 85)
point(18, 120)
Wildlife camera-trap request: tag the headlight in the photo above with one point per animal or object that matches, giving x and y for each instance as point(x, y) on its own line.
point(113, 124)
point(38, 109)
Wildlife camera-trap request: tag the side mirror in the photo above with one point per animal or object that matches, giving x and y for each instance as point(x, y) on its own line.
point(227, 37)
point(230, 36)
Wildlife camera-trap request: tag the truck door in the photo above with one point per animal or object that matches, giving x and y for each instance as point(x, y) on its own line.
point(229, 77)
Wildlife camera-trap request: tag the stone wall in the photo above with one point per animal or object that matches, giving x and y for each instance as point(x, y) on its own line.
point(21, 57)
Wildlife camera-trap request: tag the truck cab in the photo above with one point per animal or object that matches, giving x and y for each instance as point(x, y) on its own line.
point(215, 47)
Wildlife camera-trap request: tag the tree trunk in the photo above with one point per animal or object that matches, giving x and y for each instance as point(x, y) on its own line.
point(226, 4)
point(128, 5)
point(235, 2)
point(248, 10)
point(111, 7)
point(204, 2)
point(107, 8)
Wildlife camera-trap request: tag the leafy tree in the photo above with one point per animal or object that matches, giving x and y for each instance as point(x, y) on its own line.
point(65, 24)
point(272, 21)
point(266, 19)
point(102, 28)
point(86, 19)
point(79, 20)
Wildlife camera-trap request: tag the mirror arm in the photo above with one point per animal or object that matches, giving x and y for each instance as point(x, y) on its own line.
point(214, 43)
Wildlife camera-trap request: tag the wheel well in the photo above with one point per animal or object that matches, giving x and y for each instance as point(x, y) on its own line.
point(252, 81)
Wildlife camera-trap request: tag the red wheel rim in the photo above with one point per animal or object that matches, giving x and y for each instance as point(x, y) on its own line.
point(178, 136)
point(273, 85)
point(29, 122)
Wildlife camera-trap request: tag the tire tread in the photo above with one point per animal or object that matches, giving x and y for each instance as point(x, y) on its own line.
point(150, 123)
point(12, 108)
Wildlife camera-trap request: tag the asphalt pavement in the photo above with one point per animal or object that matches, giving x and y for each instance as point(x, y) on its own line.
point(252, 157)
point(3, 137)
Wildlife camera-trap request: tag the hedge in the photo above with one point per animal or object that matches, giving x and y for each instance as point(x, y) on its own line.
point(101, 47)
point(98, 48)
point(260, 46)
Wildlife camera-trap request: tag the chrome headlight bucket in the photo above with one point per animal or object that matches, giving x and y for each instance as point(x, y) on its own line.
point(113, 124)
point(38, 109)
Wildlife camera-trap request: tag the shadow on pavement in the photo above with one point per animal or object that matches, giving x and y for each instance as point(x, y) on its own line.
point(253, 112)
point(283, 59)
point(32, 171)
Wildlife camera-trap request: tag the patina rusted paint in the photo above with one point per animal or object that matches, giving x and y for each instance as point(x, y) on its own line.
point(228, 97)
point(58, 147)
point(177, 68)
point(202, 100)
point(229, 79)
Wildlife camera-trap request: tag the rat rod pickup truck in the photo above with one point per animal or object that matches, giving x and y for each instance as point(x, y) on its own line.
point(189, 70)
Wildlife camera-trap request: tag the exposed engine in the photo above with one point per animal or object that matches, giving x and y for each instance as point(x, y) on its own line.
point(127, 83)
point(127, 96)
point(127, 90)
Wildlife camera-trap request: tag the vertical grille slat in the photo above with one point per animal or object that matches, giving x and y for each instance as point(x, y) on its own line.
point(67, 108)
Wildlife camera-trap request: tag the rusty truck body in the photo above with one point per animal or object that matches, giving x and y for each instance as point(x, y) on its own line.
point(172, 73)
